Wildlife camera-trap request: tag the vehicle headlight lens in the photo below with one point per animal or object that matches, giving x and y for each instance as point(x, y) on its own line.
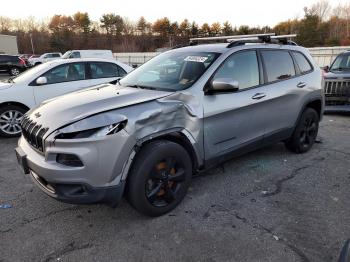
point(108, 130)
point(94, 132)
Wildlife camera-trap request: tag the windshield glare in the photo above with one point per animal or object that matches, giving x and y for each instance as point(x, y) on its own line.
point(342, 62)
point(171, 71)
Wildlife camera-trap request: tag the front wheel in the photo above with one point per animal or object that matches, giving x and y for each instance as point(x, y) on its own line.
point(159, 178)
point(10, 118)
point(305, 133)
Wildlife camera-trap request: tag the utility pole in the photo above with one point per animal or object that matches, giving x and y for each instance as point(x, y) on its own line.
point(31, 41)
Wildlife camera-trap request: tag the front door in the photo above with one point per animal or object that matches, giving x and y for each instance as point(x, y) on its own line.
point(235, 120)
point(61, 80)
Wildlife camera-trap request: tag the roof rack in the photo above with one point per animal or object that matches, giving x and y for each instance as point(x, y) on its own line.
point(237, 40)
point(218, 38)
point(275, 39)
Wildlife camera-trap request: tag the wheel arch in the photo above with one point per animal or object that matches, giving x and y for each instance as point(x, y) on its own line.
point(316, 104)
point(9, 103)
point(181, 137)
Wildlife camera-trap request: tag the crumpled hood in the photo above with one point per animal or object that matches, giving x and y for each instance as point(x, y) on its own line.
point(337, 75)
point(4, 85)
point(70, 108)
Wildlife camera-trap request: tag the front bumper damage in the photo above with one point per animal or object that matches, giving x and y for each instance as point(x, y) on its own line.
point(99, 180)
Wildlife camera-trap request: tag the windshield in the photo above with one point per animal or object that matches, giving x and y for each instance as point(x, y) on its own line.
point(171, 71)
point(341, 63)
point(28, 74)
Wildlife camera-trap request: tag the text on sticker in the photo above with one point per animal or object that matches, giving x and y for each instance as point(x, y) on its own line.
point(199, 59)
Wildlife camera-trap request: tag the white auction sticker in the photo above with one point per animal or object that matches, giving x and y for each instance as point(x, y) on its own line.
point(199, 59)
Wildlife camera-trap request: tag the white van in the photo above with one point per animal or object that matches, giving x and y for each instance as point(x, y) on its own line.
point(106, 54)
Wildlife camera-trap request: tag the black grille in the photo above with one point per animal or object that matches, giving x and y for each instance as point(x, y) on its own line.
point(33, 133)
point(337, 92)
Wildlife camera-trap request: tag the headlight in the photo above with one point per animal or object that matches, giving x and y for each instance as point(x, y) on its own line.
point(93, 133)
point(109, 130)
point(96, 126)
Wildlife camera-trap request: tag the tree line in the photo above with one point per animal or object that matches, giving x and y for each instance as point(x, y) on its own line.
point(321, 25)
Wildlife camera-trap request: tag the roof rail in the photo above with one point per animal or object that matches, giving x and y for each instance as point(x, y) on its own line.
point(216, 38)
point(272, 39)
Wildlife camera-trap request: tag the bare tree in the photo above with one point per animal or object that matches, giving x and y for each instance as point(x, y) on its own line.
point(5, 24)
point(322, 9)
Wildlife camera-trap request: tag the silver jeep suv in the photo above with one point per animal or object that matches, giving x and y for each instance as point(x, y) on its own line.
point(180, 113)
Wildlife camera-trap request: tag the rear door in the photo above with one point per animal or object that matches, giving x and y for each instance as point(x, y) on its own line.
point(236, 120)
point(104, 72)
point(283, 94)
point(61, 79)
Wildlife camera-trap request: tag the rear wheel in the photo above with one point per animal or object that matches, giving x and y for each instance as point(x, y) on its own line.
point(10, 118)
point(14, 71)
point(159, 178)
point(305, 132)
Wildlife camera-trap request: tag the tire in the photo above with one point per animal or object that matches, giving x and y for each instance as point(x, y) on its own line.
point(159, 178)
point(305, 132)
point(10, 116)
point(14, 71)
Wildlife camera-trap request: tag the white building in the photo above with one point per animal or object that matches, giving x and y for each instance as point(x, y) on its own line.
point(8, 45)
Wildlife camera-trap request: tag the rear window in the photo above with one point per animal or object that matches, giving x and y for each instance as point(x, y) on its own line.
point(303, 63)
point(103, 70)
point(278, 65)
point(14, 59)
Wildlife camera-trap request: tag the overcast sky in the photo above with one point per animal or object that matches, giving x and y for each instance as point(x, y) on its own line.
point(247, 12)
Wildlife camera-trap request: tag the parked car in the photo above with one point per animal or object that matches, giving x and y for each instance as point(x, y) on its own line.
point(34, 61)
point(12, 64)
point(49, 80)
point(25, 57)
point(106, 54)
point(180, 113)
point(337, 84)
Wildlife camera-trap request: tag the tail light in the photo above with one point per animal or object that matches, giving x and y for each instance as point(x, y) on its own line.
point(22, 62)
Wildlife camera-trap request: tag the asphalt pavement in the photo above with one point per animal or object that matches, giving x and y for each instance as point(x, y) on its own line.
point(269, 205)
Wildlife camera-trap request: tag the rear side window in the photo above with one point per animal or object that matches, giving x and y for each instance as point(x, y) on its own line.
point(75, 55)
point(303, 63)
point(103, 70)
point(278, 65)
point(14, 59)
point(55, 55)
point(241, 67)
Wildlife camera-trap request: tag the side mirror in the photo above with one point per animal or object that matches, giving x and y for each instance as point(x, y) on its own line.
point(224, 85)
point(325, 68)
point(41, 81)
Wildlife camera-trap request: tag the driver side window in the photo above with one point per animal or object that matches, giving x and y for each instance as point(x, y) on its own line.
point(66, 73)
point(242, 67)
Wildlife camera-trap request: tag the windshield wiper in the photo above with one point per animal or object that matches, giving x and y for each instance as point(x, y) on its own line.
point(142, 87)
point(10, 80)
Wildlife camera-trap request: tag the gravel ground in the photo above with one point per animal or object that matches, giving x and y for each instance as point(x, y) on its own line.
point(269, 205)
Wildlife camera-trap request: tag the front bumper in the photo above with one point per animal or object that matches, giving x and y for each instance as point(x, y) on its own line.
point(98, 180)
point(337, 108)
point(80, 193)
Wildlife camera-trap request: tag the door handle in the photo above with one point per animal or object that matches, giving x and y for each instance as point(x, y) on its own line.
point(258, 96)
point(301, 84)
